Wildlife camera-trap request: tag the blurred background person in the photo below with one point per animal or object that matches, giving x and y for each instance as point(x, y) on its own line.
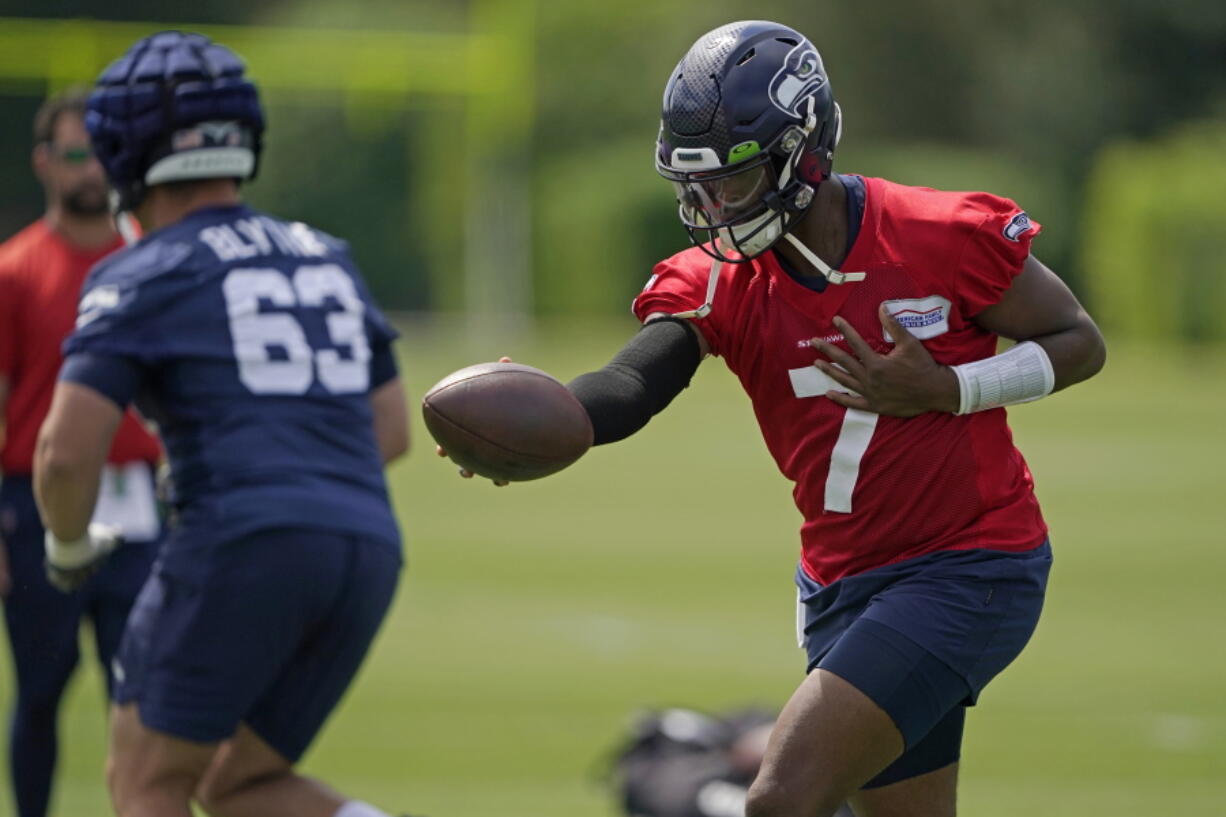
point(41, 272)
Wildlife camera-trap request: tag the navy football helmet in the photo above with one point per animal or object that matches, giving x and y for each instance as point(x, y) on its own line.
point(748, 131)
point(175, 107)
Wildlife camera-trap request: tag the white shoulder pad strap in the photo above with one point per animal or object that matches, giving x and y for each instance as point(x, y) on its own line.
point(712, 285)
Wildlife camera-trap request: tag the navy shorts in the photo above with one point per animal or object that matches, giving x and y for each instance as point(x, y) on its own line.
point(922, 637)
point(268, 632)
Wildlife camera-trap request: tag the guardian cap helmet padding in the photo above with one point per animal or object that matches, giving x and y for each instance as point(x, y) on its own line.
point(175, 107)
point(748, 131)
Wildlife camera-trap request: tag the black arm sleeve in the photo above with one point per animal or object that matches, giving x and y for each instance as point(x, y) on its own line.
point(640, 380)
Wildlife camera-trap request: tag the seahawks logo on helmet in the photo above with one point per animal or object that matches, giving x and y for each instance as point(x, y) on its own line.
point(208, 134)
point(799, 77)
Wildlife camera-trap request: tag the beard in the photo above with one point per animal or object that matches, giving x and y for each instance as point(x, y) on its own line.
point(88, 199)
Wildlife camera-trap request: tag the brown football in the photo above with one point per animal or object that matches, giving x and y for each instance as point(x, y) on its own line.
point(507, 421)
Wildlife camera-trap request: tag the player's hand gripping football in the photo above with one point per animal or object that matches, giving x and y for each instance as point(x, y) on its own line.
point(464, 472)
point(69, 564)
point(903, 383)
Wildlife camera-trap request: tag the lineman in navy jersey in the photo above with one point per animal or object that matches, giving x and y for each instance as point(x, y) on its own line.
point(242, 369)
point(229, 374)
point(255, 346)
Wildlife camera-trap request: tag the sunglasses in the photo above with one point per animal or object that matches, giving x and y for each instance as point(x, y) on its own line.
point(73, 155)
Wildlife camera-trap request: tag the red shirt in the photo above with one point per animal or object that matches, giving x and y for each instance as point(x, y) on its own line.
point(40, 280)
point(876, 490)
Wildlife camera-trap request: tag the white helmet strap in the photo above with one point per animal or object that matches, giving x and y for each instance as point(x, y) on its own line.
point(832, 275)
point(811, 116)
point(806, 131)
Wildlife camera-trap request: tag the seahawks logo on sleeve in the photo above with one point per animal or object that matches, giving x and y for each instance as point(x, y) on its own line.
point(1018, 226)
point(97, 301)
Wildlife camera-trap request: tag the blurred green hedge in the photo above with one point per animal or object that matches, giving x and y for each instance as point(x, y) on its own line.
point(1154, 240)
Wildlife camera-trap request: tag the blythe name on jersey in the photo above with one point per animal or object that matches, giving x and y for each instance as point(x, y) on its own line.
point(260, 235)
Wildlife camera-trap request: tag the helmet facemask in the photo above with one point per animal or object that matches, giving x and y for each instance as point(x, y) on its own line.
point(737, 212)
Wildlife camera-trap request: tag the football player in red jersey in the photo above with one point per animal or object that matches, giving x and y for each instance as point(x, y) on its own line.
point(41, 271)
point(862, 318)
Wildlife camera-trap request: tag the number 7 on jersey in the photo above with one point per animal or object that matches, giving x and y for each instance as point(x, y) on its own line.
point(854, 436)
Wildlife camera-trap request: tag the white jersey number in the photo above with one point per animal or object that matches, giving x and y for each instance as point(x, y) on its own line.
point(256, 334)
point(854, 437)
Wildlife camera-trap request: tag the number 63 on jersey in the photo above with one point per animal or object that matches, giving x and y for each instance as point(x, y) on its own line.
point(256, 334)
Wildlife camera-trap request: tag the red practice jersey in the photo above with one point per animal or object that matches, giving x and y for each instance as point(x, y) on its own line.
point(876, 490)
point(40, 280)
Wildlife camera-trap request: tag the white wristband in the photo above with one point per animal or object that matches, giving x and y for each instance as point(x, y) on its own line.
point(68, 555)
point(1018, 375)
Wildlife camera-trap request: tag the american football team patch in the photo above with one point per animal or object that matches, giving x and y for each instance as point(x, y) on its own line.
point(1018, 226)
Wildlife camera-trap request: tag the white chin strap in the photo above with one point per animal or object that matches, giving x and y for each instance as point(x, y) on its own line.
point(831, 275)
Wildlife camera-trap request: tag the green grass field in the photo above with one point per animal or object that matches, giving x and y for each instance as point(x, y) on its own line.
point(534, 619)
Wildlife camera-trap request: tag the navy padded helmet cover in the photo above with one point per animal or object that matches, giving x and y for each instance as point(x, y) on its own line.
point(165, 82)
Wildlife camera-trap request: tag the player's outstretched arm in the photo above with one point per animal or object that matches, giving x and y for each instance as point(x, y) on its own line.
point(641, 379)
point(391, 419)
point(638, 383)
